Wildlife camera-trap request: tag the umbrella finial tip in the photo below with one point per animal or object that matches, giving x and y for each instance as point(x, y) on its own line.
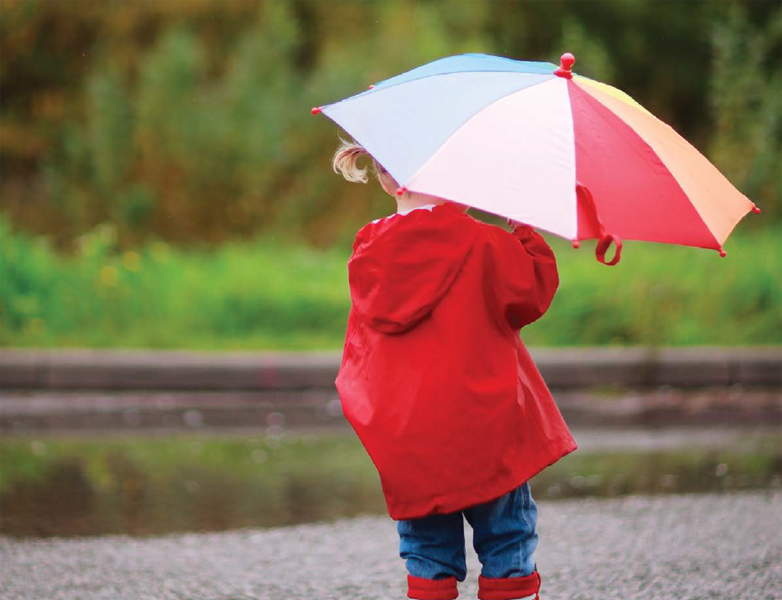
point(566, 62)
point(723, 254)
point(756, 210)
point(316, 110)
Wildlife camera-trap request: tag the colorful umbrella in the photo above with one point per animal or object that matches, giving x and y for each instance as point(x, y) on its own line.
point(538, 144)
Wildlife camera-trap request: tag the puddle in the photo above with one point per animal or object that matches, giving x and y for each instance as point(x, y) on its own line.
point(148, 485)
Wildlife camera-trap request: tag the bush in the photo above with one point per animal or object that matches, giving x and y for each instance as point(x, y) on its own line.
point(189, 121)
point(272, 296)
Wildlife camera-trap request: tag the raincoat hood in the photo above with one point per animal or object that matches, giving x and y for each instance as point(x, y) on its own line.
point(393, 284)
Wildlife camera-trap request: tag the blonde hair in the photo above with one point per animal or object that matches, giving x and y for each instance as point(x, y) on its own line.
point(346, 157)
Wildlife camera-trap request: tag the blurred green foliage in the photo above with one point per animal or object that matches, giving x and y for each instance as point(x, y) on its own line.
point(189, 121)
point(270, 295)
point(250, 295)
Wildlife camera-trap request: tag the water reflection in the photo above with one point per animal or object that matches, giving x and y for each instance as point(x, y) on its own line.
point(73, 497)
point(63, 503)
point(203, 484)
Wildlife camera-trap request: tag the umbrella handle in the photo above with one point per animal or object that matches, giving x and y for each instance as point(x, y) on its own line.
point(604, 239)
point(602, 247)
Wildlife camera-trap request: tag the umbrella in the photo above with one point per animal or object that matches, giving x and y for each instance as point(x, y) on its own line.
point(543, 146)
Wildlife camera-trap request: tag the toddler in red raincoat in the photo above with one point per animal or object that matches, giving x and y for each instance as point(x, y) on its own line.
point(441, 391)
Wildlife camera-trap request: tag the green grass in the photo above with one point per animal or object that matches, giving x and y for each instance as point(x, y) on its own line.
point(156, 484)
point(267, 296)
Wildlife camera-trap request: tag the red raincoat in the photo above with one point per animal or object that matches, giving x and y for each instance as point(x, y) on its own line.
point(434, 377)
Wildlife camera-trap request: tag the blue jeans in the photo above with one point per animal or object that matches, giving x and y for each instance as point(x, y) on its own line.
point(504, 537)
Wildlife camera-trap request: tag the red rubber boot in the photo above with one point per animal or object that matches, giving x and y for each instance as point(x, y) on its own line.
point(512, 588)
point(431, 589)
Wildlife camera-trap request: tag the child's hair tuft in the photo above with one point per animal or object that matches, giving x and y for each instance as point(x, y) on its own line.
point(345, 159)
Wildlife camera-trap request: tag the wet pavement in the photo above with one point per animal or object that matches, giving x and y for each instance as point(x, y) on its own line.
point(637, 439)
point(34, 412)
point(70, 390)
point(686, 547)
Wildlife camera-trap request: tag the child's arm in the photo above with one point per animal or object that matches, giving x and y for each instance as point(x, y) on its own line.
point(524, 273)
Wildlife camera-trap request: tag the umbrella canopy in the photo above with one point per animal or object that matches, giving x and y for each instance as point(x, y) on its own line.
point(540, 145)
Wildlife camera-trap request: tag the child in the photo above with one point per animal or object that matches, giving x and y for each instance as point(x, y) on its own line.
point(441, 391)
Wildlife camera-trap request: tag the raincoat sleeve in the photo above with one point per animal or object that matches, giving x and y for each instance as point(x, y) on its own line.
point(524, 273)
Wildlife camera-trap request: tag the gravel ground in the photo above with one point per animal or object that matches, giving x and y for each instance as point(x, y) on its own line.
point(693, 547)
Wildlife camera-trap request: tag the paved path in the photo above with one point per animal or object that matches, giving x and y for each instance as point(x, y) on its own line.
point(142, 390)
point(562, 368)
point(695, 547)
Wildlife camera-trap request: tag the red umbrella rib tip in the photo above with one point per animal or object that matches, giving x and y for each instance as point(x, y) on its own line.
point(723, 254)
point(400, 190)
point(371, 86)
point(316, 110)
point(566, 62)
point(576, 244)
point(756, 210)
